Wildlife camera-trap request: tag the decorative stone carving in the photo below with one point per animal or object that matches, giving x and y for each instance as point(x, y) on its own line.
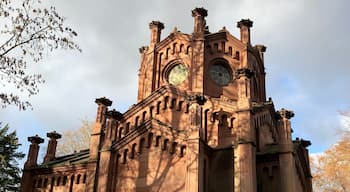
point(244, 72)
point(114, 114)
point(285, 114)
point(200, 99)
point(103, 101)
point(245, 23)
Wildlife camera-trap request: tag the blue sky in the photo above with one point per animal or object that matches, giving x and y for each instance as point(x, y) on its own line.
point(306, 60)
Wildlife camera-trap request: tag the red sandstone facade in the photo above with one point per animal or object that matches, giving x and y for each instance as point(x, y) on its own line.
point(202, 123)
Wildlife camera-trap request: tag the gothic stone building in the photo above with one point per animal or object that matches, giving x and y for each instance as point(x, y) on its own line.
point(201, 123)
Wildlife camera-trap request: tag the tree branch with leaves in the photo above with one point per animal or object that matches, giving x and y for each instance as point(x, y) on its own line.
point(28, 31)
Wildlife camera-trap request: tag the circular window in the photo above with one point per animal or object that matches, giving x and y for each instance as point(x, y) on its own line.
point(220, 74)
point(177, 74)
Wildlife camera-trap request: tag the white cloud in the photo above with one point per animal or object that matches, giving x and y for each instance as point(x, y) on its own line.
point(306, 59)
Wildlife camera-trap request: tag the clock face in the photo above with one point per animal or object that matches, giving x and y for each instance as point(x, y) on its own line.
point(177, 74)
point(220, 74)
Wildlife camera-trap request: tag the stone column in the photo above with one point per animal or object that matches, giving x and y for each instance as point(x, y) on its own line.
point(199, 15)
point(26, 182)
point(245, 145)
point(95, 143)
point(196, 69)
point(245, 154)
point(33, 151)
point(245, 25)
point(105, 171)
point(51, 147)
point(262, 50)
point(193, 153)
point(287, 164)
point(156, 29)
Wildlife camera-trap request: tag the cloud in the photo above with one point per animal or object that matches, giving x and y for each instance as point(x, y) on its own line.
point(306, 61)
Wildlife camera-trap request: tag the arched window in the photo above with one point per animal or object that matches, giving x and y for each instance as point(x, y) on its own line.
point(165, 144)
point(141, 145)
point(149, 140)
point(40, 181)
point(156, 144)
point(237, 55)
point(84, 178)
point(78, 179)
point(158, 107)
point(46, 182)
point(58, 181)
point(120, 135)
point(133, 151)
point(64, 180)
point(181, 47)
point(182, 151)
point(125, 156)
point(173, 148)
point(137, 121)
point(143, 116)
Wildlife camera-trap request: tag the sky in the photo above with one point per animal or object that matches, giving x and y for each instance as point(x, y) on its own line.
point(306, 60)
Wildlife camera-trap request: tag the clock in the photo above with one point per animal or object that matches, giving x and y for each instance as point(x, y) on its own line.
point(177, 74)
point(220, 74)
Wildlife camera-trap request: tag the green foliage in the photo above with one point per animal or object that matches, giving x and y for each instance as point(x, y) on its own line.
point(9, 170)
point(28, 30)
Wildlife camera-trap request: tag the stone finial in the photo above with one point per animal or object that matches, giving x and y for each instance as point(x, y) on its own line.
point(245, 25)
point(244, 72)
point(261, 48)
point(103, 101)
point(52, 145)
point(143, 49)
point(33, 151)
point(103, 104)
point(199, 15)
point(156, 28)
point(35, 139)
point(199, 99)
point(54, 135)
point(114, 114)
point(285, 114)
point(156, 24)
point(199, 12)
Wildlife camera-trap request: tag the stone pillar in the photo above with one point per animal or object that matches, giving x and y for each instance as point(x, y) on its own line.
point(287, 164)
point(33, 151)
point(243, 76)
point(262, 50)
point(245, 25)
point(245, 145)
point(95, 143)
point(26, 182)
point(156, 29)
point(261, 77)
point(103, 104)
point(51, 147)
point(245, 154)
point(193, 163)
point(197, 54)
point(199, 15)
point(105, 171)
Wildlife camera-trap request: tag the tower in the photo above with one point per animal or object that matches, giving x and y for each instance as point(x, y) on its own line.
point(201, 123)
